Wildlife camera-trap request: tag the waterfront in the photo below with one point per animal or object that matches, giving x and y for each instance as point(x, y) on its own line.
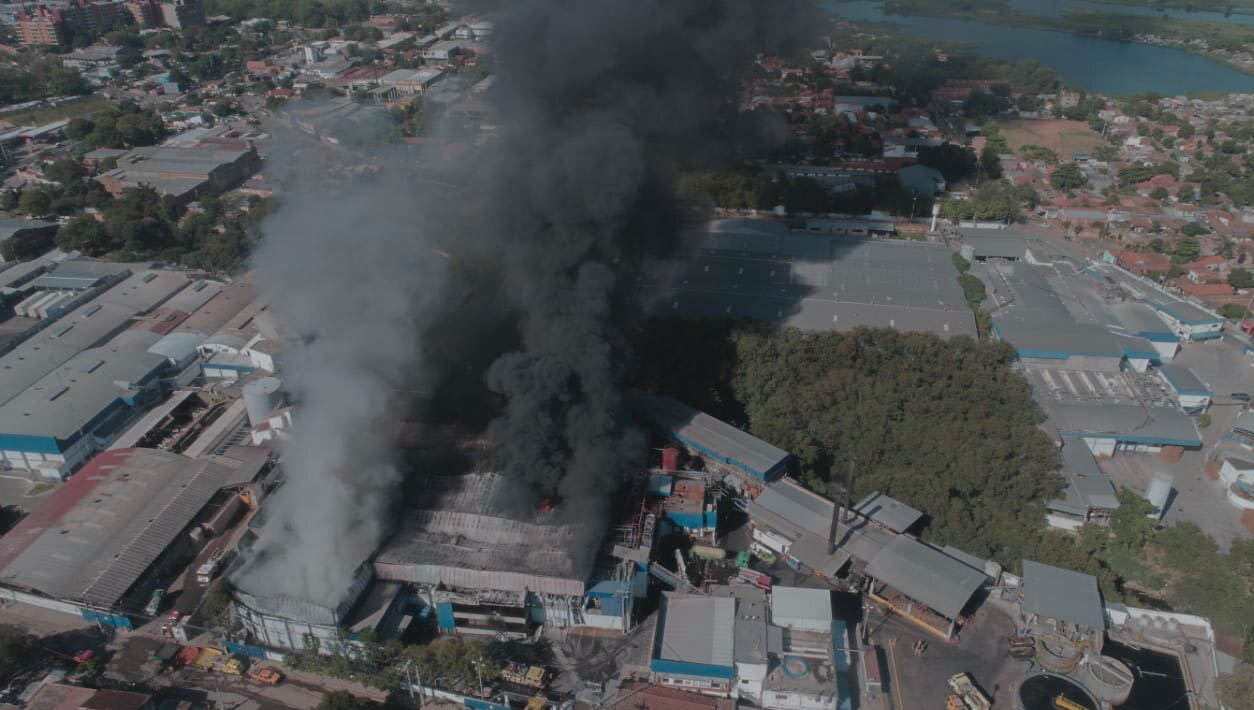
point(1095, 64)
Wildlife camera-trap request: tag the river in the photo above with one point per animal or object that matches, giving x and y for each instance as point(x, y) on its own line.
point(1054, 8)
point(1096, 64)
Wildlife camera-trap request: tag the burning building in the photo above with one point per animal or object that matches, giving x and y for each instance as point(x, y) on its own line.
point(287, 622)
point(487, 568)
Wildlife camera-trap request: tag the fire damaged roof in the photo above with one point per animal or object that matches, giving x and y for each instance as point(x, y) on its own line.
point(462, 536)
point(93, 538)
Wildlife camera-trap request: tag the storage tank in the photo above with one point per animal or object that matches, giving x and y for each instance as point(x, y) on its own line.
point(1158, 493)
point(261, 398)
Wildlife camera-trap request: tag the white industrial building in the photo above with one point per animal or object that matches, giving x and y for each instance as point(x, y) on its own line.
point(1191, 393)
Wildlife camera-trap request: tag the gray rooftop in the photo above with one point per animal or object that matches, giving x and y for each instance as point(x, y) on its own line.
point(788, 603)
point(1088, 487)
point(998, 243)
point(1125, 422)
point(467, 533)
point(62, 403)
point(926, 575)
point(695, 427)
point(889, 512)
point(1244, 422)
point(697, 629)
point(806, 519)
point(751, 635)
point(1062, 594)
point(1036, 320)
point(89, 325)
point(11, 226)
point(762, 270)
point(1183, 380)
point(97, 534)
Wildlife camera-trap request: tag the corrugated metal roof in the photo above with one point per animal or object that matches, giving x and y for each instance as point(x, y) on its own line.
point(464, 535)
point(698, 629)
point(889, 512)
point(799, 603)
point(926, 575)
point(691, 425)
point(1062, 594)
point(1183, 380)
point(96, 535)
point(1125, 422)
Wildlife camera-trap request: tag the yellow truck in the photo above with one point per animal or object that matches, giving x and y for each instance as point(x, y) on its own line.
point(234, 666)
point(523, 674)
point(207, 659)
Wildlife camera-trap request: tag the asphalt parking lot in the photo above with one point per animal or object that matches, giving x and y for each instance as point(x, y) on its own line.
point(924, 679)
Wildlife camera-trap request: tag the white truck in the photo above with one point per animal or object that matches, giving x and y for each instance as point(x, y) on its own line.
point(206, 572)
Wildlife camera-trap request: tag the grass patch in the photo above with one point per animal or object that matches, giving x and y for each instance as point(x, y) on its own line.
point(1061, 136)
point(40, 488)
point(74, 109)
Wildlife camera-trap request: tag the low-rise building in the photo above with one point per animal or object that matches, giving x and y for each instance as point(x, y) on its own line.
point(183, 172)
point(1192, 394)
point(1089, 496)
point(694, 644)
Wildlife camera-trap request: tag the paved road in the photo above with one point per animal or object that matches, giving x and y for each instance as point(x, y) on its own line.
point(1197, 498)
point(13, 490)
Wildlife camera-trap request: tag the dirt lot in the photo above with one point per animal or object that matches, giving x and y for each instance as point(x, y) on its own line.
point(1062, 136)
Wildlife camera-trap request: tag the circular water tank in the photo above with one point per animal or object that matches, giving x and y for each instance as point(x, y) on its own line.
point(1039, 692)
point(261, 398)
point(1158, 492)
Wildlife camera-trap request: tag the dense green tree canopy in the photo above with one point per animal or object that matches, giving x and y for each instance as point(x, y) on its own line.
point(945, 426)
point(1067, 177)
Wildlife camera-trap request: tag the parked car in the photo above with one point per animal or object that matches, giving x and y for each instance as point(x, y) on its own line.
point(1240, 396)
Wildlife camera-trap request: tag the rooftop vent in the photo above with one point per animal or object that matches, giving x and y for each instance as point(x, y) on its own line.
point(58, 392)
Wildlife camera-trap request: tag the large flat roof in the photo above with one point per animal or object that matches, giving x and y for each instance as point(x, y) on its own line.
point(926, 575)
point(1183, 380)
point(697, 629)
point(888, 511)
point(93, 537)
point(90, 325)
point(465, 534)
point(998, 243)
point(1062, 594)
point(62, 403)
point(700, 430)
point(1133, 423)
point(815, 281)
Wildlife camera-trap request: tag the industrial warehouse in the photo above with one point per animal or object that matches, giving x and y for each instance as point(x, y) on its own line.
point(1097, 360)
point(822, 277)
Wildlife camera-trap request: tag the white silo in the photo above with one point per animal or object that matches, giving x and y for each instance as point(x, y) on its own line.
point(261, 398)
point(1158, 492)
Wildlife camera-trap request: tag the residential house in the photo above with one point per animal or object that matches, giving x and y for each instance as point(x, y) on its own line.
point(1142, 263)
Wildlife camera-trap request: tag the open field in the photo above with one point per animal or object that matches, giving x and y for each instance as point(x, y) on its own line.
point(74, 109)
point(1060, 135)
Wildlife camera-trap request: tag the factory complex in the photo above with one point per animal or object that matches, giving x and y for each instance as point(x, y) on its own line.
point(151, 398)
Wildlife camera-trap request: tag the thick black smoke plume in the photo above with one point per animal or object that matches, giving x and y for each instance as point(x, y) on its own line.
point(553, 215)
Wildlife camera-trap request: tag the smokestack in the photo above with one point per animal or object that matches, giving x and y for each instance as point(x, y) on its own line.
point(510, 290)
